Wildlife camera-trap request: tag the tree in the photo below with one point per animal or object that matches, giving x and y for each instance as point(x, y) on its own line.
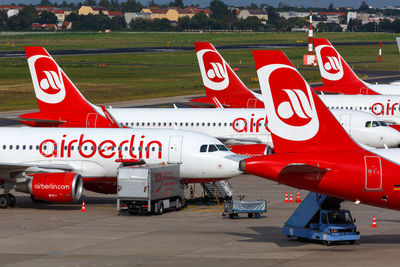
point(364, 7)
point(47, 18)
point(177, 3)
point(45, 3)
point(131, 6)
point(355, 25)
point(331, 7)
point(3, 21)
point(253, 6)
point(25, 18)
point(118, 23)
point(385, 25)
point(219, 10)
point(396, 25)
point(90, 3)
point(105, 3)
point(370, 27)
point(272, 15)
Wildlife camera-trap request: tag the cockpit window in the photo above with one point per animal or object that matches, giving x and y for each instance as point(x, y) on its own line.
point(382, 123)
point(375, 124)
point(212, 148)
point(222, 148)
point(203, 148)
point(368, 124)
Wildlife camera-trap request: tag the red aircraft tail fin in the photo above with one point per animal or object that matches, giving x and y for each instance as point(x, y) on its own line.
point(54, 90)
point(297, 119)
point(337, 76)
point(219, 79)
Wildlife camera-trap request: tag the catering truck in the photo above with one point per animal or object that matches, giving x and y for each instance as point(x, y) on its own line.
point(149, 188)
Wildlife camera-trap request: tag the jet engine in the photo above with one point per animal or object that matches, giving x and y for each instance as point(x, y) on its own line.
point(53, 187)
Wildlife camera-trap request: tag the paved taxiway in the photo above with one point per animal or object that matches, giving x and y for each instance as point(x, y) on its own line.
point(60, 235)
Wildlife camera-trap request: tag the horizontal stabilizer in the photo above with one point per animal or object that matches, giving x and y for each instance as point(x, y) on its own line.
point(44, 121)
point(301, 168)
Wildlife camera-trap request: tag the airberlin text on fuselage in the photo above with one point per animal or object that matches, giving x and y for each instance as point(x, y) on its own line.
point(242, 125)
point(382, 109)
point(107, 148)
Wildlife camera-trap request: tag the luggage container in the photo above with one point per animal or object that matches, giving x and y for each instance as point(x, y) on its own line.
point(149, 189)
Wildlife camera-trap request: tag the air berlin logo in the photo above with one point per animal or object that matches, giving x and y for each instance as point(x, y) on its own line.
point(47, 79)
point(52, 81)
point(291, 113)
point(330, 62)
point(298, 105)
point(213, 69)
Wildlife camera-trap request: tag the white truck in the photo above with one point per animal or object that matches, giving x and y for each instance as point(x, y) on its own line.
point(149, 188)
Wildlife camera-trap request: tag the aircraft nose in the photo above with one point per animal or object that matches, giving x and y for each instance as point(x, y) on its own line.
point(233, 162)
point(391, 137)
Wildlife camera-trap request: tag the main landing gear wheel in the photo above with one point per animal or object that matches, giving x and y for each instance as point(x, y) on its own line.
point(5, 201)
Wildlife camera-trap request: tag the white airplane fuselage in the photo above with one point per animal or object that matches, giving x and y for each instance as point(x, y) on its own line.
point(246, 125)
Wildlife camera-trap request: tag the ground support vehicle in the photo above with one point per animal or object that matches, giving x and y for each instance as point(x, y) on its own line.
point(319, 217)
point(149, 188)
point(253, 208)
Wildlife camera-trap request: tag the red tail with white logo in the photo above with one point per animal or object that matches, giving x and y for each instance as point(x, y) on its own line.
point(221, 81)
point(54, 90)
point(60, 102)
point(297, 118)
point(337, 76)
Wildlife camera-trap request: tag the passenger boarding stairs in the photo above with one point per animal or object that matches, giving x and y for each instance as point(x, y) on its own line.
point(220, 190)
point(308, 211)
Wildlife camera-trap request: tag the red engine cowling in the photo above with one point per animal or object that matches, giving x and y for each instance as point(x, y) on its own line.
point(54, 187)
point(252, 149)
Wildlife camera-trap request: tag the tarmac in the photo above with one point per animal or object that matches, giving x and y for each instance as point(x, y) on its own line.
point(61, 235)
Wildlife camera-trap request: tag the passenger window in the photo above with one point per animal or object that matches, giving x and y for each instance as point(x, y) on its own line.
point(170, 124)
point(4, 147)
point(92, 148)
point(222, 148)
point(181, 124)
point(203, 148)
point(24, 147)
point(192, 124)
point(79, 148)
point(153, 149)
point(11, 147)
point(159, 124)
point(165, 124)
point(126, 148)
point(225, 124)
point(30, 147)
point(212, 148)
point(203, 124)
point(187, 124)
point(208, 124)
point(85, 148)
point(17, 147)
point(197, 124)
point(148, 124)
point(37, 147)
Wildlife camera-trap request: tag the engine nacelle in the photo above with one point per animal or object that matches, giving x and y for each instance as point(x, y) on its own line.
point(53, 187)
point(252, 149)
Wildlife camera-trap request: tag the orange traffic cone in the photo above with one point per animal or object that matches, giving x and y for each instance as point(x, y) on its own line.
point(291, 198)
point(286, 198)
point(298, 199)
point(83, 209)
point(374, 222)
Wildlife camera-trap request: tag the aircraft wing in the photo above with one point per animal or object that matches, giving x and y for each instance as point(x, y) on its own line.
point(228, 140)
point(301, 169)
point(33, 167)
point(44, 121)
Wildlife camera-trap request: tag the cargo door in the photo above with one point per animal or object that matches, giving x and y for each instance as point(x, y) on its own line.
point(251, 103)
point(91, 120)
point(175, 149)
point(373, 173)
point(345, 121)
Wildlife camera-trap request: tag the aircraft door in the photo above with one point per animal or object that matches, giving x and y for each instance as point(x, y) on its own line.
point(175, 149)
point(345, 121)
point(373, 173)
point(91, 120)
point(251, 103)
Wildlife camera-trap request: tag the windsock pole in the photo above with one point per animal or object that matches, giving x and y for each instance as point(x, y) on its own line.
point(310, 36)
point(380, 51)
